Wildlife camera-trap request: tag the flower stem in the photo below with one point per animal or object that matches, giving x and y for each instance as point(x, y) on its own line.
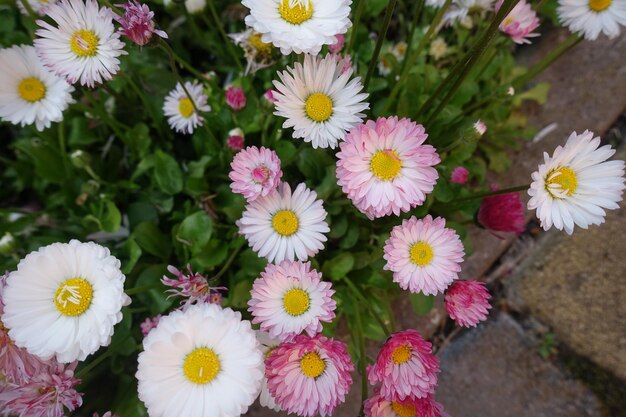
point(419, 6)
point(80, 374)
point(547, 60)
point(379, 43)
point(358, 12)
point(368, 305)
point(29, 9)
point(412, 59)
point(227, 40)
point(228, 263)
point(491, 193)
point(470, 60)
point(362, 361)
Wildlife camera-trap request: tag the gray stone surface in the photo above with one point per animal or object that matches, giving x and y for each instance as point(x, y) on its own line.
point(576, 285)
point(495, 371)
point(588, 86)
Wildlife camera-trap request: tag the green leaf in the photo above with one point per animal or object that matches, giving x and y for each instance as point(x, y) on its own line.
point(149, 238)
point(111, 218)
point(339, 266)
point(443, 192)
point(138, 138)
point(133, 252)
point(167, 173)
point(195, 231)
point(422, 304)
point(155, 298)
point(285, 151)
point(47, 159)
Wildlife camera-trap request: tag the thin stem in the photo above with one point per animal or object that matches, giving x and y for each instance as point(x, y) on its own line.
point(491, 193)
point(62, 147)
point(227, 40)
point(419, 6)
point(362, 362)
point(29, 9)
point(379, 43)
point(228, 263)
point(165, 46)
point(358, 12)
point(368, 305)
point(91, 365)
point(101, 114)
point(474, 55)
point(547, 60)
point(414, 56)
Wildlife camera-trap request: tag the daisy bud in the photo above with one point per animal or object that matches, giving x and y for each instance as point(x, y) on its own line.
point(80, 159)
point(459, 175)
point(137, 23)
point(520, 22)
point(337, 46)
point(235, 98)
point(467, 302)
point(502, 213)
point(480, 127)
point(269, 96)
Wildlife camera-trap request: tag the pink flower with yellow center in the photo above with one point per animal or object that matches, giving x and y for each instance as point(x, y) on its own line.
point(309, 375)
point(424, 255)
point(405, 367)
point(377, 406)
point(384, 166)
point(520, 22)
point(255, 172)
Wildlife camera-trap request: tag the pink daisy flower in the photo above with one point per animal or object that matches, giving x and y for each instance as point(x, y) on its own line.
point(194, 288)
point(255, 172)
point(235, 139)
point(520, 22)
point(459, 175)
point(377, 406)
point(138, 22)
point(467, 302)
point(502, 213)
point(290, 298)
point(384, 167)
point(338, 45)
point(235, 98)
point(309, 375)
point(149, 324)
point(50, 389)
point(424, 255)
point(405, 366)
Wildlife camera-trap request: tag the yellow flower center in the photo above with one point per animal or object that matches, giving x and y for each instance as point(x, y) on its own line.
point(403, 410)
point(599, 5)
point(31, 89)
point(185, 108)
point(312, 365)
point(296, 302)
point(295, 11)
point(319, 107)
point(201, 366)
point(260, 46)
point(84, 43)
point(285, 222)
point(421, 253)
point(401, 354)
point(564, 177)
point(386, 164)
point(73, 297)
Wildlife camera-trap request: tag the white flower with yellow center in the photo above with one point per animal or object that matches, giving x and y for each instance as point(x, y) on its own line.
point(258, 53)
point(319, 100)
point(282, 225)
point(84, 46)
point(592, 17)
point(576, 184)
point(201, 362)
point(64, 299)
point(38, 6)
point(29, 93)
point(301, 26)
point(180, 111)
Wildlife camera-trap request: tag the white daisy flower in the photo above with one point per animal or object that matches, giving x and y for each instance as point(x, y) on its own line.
point(29, 93)
point(592, 17)
point(38, 6)
point(201, 362)
point(461, 9)
point(576, 184)
point(258, 54)
point(283, 225)
point(268, 344)
point(84, 46)
point(64, 299)
point(179, 109)
point(300, 26)
point(319, 100)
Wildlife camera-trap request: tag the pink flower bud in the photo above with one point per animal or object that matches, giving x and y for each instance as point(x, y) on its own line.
point(137, 23)
point(235, 98)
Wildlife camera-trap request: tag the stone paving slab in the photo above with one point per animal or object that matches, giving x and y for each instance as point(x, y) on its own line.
point(575, 285)
point(496, 371)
